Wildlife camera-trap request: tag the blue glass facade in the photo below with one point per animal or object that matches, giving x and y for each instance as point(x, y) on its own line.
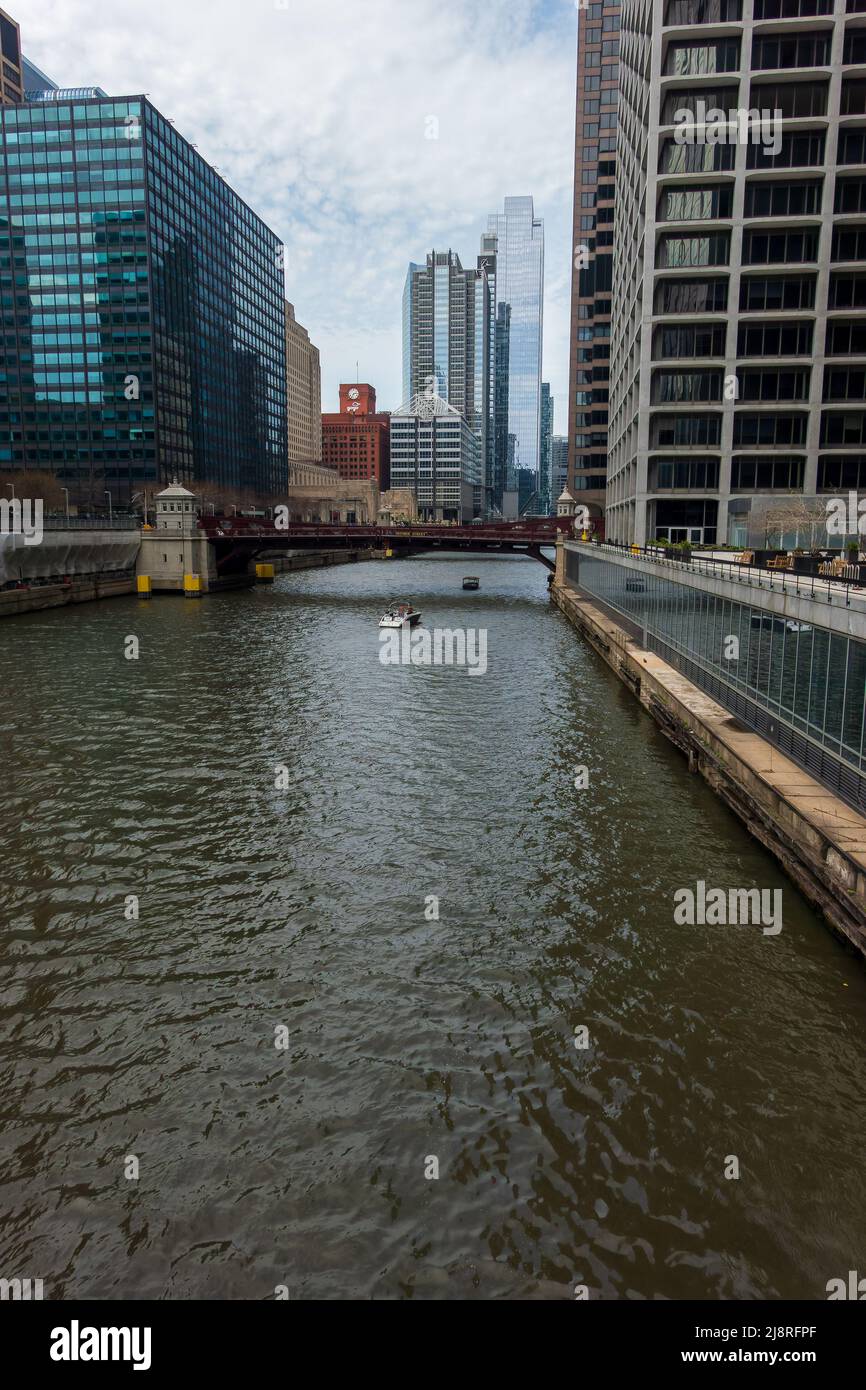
point(519, 321)
point(800, 685)
point(141, 306)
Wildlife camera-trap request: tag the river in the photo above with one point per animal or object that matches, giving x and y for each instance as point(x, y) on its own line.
point(372, 911)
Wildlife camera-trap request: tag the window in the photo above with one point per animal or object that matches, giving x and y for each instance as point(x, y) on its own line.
point(682, 105)
point(846, 339)
point(773, 384)
point(850, 195)
point(766, 472)
point(839, 473)
point(792, 51)
point(777, 292)
point(792, 339)
point(769, 429)
point(682, 430)
point(796, 150)
point(843, 427)
point(690, 340)
point(688, 59)
point(695, 204)
point(696, 472)
point(846, 291)
point(673, 387)
point(694, 251)
point(692, 296)
point(695, 159)
point(769, 248)
point(791, 9)
point(791, 99)
point(853, 99)
point(844, 384)
point(685, 12)
point(783, 199)
point(852, 146)
point(849, 244)
point(855, 46)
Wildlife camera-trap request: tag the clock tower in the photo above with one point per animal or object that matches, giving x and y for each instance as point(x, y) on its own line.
point(357, 399)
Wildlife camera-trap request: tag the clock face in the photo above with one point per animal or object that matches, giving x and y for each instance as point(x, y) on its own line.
point(354, 393)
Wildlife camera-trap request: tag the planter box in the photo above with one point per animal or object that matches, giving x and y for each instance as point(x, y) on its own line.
point(807, 564)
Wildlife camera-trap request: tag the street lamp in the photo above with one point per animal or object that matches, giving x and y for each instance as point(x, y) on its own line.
point(108, 495)
point(11, 487)
point(66, 491)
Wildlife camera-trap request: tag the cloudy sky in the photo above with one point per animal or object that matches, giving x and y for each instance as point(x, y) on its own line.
point(318, 113)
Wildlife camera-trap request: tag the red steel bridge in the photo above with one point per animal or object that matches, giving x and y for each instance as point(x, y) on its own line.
point(239, 539)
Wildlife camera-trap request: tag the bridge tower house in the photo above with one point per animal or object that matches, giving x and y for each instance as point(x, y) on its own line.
point(174, 553)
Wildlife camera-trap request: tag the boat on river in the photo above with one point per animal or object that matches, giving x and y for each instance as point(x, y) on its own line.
point(471, 581)
point(396, 614)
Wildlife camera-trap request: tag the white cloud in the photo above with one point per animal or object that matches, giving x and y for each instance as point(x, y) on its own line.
point(316, 114)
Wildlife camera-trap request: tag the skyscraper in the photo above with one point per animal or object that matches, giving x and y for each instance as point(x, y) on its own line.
point(11, 76)
point(304, 393)
point(738, 355)
point(436, 455)
point(544, 489)
point(447, 340)
point(592, 242)
point(145, 337)
point(516, 237)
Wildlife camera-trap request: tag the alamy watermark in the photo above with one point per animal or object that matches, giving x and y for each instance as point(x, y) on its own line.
point(846, 516)
point(711, 125)
point(22, 517)
point(729, 907)
point(443, 646)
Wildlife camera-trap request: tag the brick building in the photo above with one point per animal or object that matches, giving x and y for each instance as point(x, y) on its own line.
point(356, 440)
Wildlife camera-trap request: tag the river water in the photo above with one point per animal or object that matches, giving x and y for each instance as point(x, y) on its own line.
point(288, 1041)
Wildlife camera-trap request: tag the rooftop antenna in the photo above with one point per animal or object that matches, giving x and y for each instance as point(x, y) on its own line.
point(357, 374)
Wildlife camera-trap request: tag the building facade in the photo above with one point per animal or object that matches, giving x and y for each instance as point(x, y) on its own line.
point(356, 440)
point(738, 355)
point(447, 340)
point(544, 489)
point(592, 238)
point(437, 456)
point(558, 464)
point(303, 393)
point(143, 318)
point(11, 61)
point(516, 238)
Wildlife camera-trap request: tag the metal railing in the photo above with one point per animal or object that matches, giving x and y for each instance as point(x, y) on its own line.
point(61, 522)
point(830, 589)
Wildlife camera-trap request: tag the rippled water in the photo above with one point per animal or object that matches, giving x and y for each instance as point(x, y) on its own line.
point(408, 1038)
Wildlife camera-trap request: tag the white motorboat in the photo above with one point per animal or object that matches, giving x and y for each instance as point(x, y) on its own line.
point(398, 614)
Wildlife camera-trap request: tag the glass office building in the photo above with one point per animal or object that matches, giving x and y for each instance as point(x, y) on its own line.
point(519, 250)
point(142, 303)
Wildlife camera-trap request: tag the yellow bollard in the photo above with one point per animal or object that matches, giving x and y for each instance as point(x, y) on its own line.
point(192, 586)
point(264, 574)
point(142, 586)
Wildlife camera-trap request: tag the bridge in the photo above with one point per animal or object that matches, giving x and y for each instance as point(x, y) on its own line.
point(239, 539)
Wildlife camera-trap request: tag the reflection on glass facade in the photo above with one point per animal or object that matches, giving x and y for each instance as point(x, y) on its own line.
point(142, 308)
point(801, 686)
point(519, 318)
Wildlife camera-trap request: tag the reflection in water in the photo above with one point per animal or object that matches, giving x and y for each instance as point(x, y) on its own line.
point(409, 1038)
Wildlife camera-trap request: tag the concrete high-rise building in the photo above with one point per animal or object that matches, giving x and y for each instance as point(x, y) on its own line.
point(303, 393)
point(11, 75)
point(162, 353)
point(437, 457)
point(356, 441)
point(447, 340)
point(558, 466)
point(592, 240)
point(516, 238)
point(738, 350)
point(544, 491)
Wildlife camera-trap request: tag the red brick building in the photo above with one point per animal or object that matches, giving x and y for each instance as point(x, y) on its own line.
point(356, 441)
